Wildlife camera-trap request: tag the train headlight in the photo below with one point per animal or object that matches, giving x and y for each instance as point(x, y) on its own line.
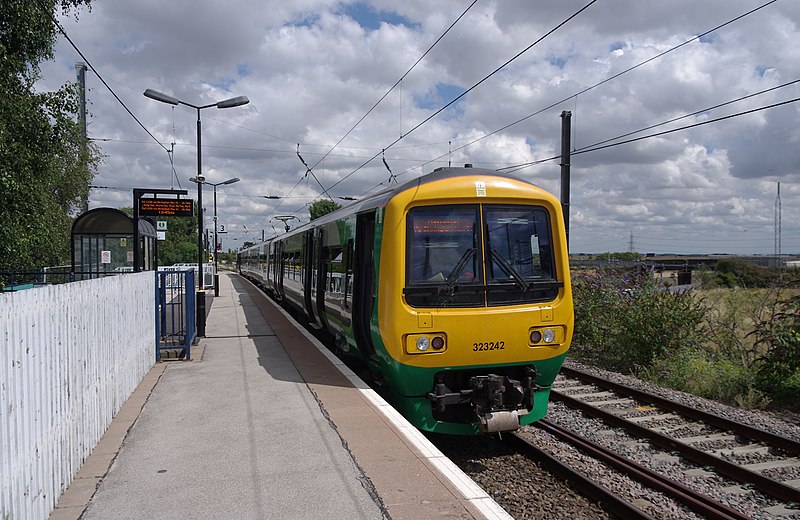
point(430, 343)
point(550, 336)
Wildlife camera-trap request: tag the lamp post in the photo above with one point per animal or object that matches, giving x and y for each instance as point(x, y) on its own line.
point(216, 239)
point(227, 103)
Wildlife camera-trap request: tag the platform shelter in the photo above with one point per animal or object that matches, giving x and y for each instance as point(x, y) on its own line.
point(103, 243)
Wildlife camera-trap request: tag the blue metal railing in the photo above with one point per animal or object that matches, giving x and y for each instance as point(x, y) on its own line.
point(175, 313)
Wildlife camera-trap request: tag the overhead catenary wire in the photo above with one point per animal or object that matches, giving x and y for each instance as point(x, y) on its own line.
point(467, 91)
point(720, 105)
point(599, 83)
point(392, 176)
point(398, 82)
point(309, 171)
point(470, 89)
point(595, 148)
point(397, 167)
point(99, 76)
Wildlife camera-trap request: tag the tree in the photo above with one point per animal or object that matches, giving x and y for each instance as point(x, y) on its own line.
point(734, 271)
point(322, 207)
point(180, 245)
point(623, 256)
point(45, 163)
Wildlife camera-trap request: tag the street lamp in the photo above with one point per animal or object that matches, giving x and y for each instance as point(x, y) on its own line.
point(227, 103)
point(216, 237)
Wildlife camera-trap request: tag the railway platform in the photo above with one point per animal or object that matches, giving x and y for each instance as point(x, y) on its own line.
point(264, 423)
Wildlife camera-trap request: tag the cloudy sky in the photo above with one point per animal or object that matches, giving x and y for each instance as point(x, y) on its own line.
point(313, 68)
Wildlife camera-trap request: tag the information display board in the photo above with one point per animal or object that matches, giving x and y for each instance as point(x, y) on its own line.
point(166, 207)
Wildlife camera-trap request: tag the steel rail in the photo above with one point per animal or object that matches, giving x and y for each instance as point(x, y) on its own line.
point(751, 432)
point(613, 503)
point(776, 489)
point(695, 501)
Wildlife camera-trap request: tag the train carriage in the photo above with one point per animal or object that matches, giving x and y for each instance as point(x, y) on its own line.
point(453, 289)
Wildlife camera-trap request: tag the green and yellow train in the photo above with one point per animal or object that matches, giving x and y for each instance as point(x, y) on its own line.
point(452, 289)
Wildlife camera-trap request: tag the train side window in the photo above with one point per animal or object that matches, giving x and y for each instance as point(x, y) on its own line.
point(334, 268)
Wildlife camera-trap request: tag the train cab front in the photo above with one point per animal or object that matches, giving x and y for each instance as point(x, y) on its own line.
point(485, 318)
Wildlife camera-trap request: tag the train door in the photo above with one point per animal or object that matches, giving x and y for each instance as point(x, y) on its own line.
point(311, 268)
point(320, 268)
point(270, 260)
point(364, 282)
point(263, 266)
point(280, 269)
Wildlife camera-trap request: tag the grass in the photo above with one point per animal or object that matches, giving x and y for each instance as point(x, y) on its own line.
point(733, 353)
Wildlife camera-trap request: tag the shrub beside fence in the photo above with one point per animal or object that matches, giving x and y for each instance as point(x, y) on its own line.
point(71, 355)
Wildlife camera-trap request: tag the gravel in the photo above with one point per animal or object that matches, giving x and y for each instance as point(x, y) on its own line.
point(786, 424)
point(522, 488)
point(527, 491)
point(749, 502)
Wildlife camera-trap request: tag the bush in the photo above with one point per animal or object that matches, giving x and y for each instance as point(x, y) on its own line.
point(778, 339)
point(734, 272)
point(729, 321)
point(626, 321)
point(737, 346)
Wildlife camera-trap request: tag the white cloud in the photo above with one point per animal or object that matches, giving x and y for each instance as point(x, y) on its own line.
point(311, 71)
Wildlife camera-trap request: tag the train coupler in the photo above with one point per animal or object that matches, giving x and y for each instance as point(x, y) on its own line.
point(442, 397)
point(492, 402)
point(500, 401)
point(496, 422)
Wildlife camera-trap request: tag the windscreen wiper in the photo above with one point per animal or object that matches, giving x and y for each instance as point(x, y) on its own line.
point(449, 282)
point(456, 272)
point(509, 269)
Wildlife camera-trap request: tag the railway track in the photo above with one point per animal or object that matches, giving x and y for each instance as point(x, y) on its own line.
point(625, 475)
point(754, 458)
point(620, 506)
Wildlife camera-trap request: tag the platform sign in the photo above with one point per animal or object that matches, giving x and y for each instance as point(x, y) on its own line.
point(166, 207)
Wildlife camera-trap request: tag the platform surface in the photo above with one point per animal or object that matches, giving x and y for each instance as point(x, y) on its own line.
point(264, 423)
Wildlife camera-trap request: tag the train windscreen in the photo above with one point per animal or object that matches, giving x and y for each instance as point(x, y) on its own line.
point(476, 255)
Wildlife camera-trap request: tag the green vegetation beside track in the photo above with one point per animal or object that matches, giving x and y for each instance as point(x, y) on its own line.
point(735, 339)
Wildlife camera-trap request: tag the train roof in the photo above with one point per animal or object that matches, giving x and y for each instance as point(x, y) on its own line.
point(381, 198)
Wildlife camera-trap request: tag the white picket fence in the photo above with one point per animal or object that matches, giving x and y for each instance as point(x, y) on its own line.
point(70, 356)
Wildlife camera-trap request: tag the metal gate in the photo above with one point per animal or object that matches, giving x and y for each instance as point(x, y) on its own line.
point(175, 314)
